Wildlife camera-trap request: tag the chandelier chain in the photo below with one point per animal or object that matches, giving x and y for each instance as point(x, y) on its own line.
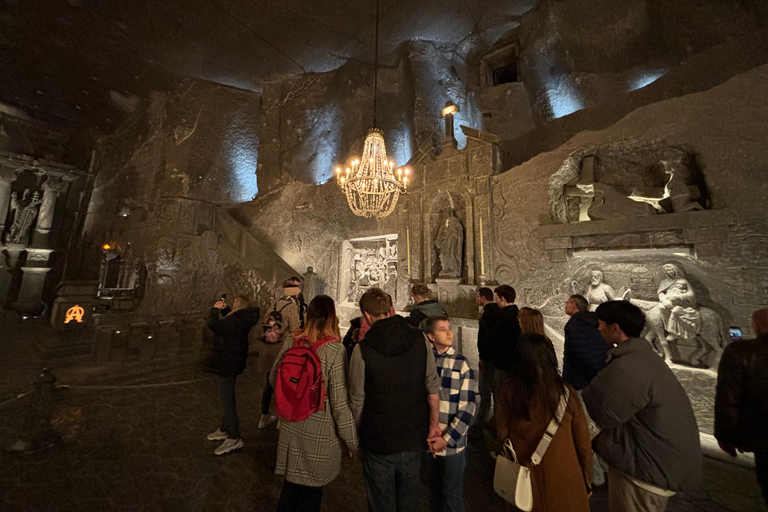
point(293, 93)
point(376, 65)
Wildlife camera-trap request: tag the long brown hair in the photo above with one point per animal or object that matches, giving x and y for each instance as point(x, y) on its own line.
point(533, 379)
point(321, 320)
point(531, 321)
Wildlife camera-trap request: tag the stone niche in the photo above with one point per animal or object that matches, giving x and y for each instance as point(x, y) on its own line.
point(366, 263)
point(627, 178)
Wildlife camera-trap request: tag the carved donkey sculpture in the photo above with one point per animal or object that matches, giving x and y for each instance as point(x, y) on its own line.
point(711, 338)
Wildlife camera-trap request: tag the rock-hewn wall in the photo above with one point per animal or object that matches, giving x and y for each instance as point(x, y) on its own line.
point(200, 143)
point(726, 127)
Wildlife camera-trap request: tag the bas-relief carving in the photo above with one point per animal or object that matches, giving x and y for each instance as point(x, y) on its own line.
point(24, 213)
point(678, 326)
point(626, 178)
point(372, 263)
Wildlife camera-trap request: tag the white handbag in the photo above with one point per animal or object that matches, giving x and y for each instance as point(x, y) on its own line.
point(512, 480)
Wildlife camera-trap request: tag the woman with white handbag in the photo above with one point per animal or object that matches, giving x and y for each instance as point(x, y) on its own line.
point(546, 462)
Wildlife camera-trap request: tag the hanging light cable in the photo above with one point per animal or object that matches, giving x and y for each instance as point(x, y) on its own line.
point(369, 183)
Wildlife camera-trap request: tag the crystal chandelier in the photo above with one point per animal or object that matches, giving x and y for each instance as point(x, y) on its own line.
point(370, 184)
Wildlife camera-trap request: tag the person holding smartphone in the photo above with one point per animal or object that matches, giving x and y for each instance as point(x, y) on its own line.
point(229, 353)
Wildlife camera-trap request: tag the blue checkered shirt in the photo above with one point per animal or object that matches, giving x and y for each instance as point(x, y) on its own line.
point(459, 399)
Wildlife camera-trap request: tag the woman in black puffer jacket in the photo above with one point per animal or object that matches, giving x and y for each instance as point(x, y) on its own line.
point(227, 360)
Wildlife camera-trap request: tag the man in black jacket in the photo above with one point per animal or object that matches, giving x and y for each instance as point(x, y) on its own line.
point(583, 357)
point(425, 306)
point(585, 348)
point(505, 331)
point(394, 397)
point(227, 360)
point(485, 349)
point(741, 401)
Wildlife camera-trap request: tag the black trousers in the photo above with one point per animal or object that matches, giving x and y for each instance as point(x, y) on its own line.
point(266, 397)
point(761, 469)
point(299, 498)
point(229, 422)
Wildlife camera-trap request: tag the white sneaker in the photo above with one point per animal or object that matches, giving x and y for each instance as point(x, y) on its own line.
point(266, 420)
point(217, 435)
point(228, 445)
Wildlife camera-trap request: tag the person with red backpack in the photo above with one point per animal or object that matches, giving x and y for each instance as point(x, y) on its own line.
point(310, 381)
point(281, 320)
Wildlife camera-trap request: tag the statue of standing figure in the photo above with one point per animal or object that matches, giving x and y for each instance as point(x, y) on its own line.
point(25, 211)
point(450, 244)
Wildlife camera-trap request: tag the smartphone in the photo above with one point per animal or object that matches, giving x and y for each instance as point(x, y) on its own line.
point(223, 297)
point(734, 332)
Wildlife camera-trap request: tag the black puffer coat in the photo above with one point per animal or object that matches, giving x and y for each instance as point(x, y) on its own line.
point(585, 349)
point(741, 402)
point(230, 346)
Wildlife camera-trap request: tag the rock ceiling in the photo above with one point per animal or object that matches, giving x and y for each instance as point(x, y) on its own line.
point(88, 62)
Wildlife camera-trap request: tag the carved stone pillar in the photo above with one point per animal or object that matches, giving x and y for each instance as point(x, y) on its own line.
point(51, 189)
point(6, 181)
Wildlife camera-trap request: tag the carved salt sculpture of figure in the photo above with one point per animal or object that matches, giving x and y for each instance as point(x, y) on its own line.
point(24, 215)
point(676, 190)
point(672, 273)
point(598, 291)
point(450, 242)
point(684, 317)
point(610, 204)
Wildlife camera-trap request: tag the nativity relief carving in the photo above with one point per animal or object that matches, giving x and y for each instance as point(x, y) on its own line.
point(677, 325)
point(373, 263)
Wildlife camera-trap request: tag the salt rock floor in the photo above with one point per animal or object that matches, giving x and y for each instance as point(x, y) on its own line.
point(143, 448)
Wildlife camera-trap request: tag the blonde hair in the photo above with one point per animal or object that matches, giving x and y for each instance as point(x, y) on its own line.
point(240, 302)
point(531, 321)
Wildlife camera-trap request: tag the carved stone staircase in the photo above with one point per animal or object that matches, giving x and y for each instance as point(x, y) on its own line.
point(136, 346)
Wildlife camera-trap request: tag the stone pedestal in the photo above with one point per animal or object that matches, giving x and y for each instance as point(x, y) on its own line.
point(31, 291)
point(71, 298)
point(33, 278)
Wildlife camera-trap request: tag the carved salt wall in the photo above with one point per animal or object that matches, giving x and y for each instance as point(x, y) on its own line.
point(542, 250)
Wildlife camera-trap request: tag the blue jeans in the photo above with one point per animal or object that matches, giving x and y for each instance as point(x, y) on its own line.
point(446, 483)
point(392, 481)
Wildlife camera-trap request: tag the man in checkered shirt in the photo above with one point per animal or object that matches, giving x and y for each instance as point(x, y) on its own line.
point(459, 402)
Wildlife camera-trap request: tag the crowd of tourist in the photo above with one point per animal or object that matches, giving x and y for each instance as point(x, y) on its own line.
point(397, 395)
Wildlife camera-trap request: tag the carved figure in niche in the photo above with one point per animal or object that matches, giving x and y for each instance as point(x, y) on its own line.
point(597, 292)
point(450, 244)
point(610, 204)
point(25, 211)
point(676, 190)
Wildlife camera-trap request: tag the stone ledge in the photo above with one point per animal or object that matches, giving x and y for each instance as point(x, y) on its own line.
point(687, 220)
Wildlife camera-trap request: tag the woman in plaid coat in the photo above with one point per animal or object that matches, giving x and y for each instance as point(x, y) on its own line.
point(309, 452)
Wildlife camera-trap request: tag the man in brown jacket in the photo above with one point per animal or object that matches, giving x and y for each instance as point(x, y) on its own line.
point(741, 402)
